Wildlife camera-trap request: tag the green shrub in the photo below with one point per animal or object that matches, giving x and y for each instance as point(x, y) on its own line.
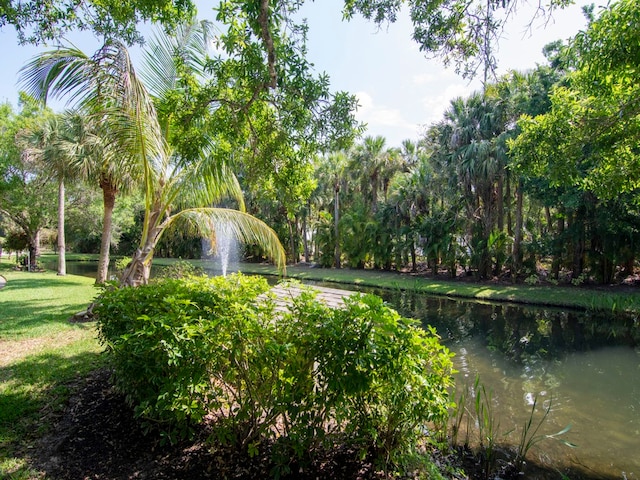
point(375, 374)
point(302, 379)
point(164, 339)
point(180, 269)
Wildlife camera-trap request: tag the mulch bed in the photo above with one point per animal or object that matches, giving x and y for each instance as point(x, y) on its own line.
point(97, 437)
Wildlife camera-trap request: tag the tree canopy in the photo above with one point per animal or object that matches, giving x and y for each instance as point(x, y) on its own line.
point(38, 21)
point(460, 32)
point(590, 137)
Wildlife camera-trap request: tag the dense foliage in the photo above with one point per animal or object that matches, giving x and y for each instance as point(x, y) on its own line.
point(188, 350)
point(27, 186)
point(535, 177)
point(39, 21)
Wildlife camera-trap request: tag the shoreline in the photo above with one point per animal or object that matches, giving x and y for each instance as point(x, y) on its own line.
point(614, 298)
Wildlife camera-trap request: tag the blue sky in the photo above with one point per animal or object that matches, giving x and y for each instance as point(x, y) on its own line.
point(399, 90)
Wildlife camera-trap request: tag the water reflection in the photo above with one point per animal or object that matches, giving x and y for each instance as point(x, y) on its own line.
point(586, 366)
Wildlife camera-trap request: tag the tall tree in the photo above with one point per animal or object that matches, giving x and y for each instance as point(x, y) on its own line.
point(590, 136)
point(56, 142)
point(471, 130)
point(176, 188)
point(26, 188)
point(97, 85)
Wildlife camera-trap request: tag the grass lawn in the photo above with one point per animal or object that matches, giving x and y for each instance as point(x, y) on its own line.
point(40, 353)
point(581, 297)
point(545, 295)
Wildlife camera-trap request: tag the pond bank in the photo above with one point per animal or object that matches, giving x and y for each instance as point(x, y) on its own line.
point(613, 298)
point(609, 298)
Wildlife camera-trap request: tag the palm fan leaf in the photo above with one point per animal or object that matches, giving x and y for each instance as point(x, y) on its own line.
point(244, 227)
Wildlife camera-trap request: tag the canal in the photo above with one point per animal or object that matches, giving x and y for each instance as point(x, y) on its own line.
point(583, 367)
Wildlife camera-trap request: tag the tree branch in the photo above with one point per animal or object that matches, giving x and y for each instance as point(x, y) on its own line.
point(263, 21)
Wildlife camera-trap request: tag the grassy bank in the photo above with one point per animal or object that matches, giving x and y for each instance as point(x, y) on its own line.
point(40, 354)
point(580, 297)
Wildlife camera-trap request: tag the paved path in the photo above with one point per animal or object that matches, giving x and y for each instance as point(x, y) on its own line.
point(331, 297)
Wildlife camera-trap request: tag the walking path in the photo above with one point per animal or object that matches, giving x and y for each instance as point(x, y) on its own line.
point(285, 294)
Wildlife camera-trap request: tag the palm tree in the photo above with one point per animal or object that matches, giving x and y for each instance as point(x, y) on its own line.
point(46, 145)
point(472, 128)
point(369, 160)
point(100, 86)
point(176, 189)
point(338, 164)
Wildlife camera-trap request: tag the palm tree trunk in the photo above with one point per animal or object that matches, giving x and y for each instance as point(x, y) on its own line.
point(139, 269)
point(500, 203)
point(305, 240)
point(109, 200)
point(509, 204)
point(516, 261)
point(62, 264)
point(336, 220)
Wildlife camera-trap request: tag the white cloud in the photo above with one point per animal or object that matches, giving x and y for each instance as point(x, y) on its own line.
point(423, 78)
point(385, 121)
point(435, 106)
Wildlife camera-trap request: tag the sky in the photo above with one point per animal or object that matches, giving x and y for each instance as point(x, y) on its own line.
point(399, 90)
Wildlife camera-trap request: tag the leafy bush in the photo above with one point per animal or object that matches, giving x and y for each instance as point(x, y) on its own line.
point(165, 338)
point(300, 379)
point(180, 269)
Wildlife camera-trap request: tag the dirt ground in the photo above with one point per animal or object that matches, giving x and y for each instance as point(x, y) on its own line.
point(97, 437)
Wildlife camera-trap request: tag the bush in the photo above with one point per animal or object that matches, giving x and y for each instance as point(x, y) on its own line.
point(302, 379)
point(164, 339)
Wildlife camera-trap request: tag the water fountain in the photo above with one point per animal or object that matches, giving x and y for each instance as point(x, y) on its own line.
point(226, 248)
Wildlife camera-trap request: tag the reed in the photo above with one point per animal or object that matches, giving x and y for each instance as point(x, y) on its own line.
point(530, 436)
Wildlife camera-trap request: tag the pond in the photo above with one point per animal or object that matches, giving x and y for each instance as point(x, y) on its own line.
point(585, 367)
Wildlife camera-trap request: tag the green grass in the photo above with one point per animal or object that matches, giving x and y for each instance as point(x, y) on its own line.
point(571, 297)
point(544, 295)
point(41, 353)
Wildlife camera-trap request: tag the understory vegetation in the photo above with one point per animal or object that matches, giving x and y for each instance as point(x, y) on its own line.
point(295, 380)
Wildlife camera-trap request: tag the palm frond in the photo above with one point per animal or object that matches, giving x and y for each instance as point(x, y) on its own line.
point(187, 45)
point(245, 228)
point(59, 73)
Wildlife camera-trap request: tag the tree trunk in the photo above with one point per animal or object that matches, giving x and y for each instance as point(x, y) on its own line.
point(557, 250)
point(516, 262)
point(414, 262)
point(34, 251)
point(293, 245)
point(547, 215)
point(336, 220)
point(509, 205)
point(109, 192)
point(62, 264)
point(139, 269)
point(500, 203)
point(305, 240)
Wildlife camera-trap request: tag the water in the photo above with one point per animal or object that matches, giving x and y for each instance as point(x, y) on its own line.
point(586, 366)
point(226, 256)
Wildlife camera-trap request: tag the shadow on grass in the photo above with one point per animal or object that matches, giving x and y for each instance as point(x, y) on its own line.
point(35, 387)
point(16, 321)
point(32, 281)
